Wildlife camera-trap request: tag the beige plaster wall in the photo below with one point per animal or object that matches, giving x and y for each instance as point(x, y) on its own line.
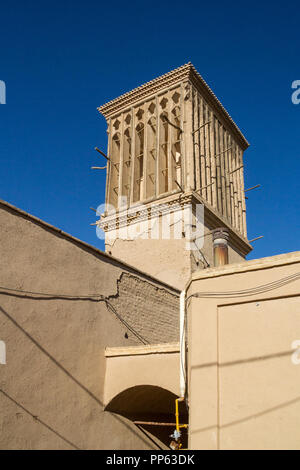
point(167, 260)
point(52, 386)
point(128, 367)
point(243, 385)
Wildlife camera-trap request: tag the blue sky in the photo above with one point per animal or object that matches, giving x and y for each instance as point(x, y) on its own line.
point(60, 60)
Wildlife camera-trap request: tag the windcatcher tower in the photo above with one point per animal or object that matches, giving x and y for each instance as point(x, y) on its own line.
point(172, 143)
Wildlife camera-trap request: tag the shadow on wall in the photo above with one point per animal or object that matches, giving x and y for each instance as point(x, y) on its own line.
point(150, 404)
point(75, 381)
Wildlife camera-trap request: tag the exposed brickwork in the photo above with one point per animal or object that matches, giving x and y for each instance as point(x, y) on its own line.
point(152, 311)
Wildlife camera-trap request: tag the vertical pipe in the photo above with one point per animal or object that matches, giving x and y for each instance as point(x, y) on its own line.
point(220, 244)
point(182, 343)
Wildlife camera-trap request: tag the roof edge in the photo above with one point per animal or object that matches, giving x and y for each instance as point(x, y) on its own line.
point(180, 73)
point(84, 245)
point(292, 257)
point(184, 72)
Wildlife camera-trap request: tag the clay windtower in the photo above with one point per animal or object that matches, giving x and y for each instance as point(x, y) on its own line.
point(172, 144)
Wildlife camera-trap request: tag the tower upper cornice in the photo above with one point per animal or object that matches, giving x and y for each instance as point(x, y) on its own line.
point(186, 72)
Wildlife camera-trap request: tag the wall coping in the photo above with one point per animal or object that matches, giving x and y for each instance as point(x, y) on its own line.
point(96, 251)
point(164, 348)
point(245, 266)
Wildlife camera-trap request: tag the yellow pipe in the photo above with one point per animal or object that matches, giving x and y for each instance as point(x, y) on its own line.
point(178, 426)
point(177, 414)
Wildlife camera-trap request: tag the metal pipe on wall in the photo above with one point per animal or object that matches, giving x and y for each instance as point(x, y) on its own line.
point(220, 246)
point(182, 343)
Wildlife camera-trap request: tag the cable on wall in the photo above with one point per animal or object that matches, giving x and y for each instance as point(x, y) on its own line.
point(94, 297)
point(248, 292)
point(239, 293)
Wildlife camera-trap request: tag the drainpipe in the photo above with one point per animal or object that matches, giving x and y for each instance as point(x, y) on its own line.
point(220, 244)
point(182, 343)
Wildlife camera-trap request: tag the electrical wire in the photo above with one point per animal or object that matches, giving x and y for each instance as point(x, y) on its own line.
point(47, 294)
point(94, 297)
point(233, 294)
point(248, 292)
point(228, 294)
point(130, 328)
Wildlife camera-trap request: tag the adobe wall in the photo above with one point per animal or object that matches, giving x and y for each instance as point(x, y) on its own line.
point(243, 382)
point(51, 388)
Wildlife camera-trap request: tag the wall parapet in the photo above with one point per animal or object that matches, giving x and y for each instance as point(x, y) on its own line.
point(142, 350)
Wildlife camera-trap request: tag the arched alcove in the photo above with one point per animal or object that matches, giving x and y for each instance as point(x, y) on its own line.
point(144, 404)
